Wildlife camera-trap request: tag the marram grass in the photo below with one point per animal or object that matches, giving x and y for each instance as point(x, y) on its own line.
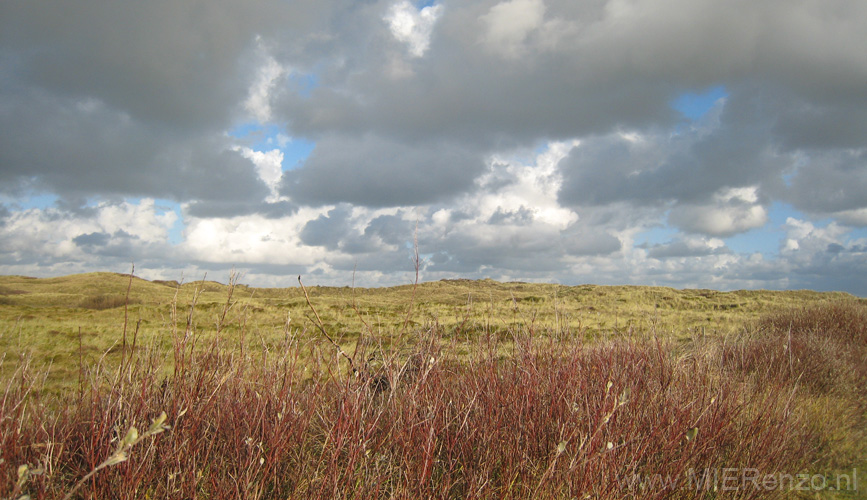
point(482, 390)
point(59, 320)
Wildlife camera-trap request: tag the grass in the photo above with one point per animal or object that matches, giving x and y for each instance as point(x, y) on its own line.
point(56, 320)
point(487, 390)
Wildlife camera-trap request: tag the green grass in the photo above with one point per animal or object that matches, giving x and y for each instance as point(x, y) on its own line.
point(43, 317)
point(463, 388)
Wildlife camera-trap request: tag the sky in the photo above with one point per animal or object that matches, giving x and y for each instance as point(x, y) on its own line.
point(714, 144)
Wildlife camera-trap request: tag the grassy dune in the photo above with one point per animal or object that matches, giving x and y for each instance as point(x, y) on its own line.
point(56, 320)
point(455, 389)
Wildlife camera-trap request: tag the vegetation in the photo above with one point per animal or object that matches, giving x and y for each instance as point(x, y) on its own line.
point(61, 320)
point(458, 389)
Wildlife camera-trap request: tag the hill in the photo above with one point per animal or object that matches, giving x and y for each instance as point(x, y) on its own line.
point(64, 319)
point(450, 389)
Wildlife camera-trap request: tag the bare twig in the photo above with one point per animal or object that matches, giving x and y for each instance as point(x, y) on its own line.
point(321, 327)
point(80, 365)
point(355, 305)
point(417, 263)
point(125, 319)
point(233, 282)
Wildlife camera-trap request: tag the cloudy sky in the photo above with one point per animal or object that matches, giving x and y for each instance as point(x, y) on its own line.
point(687, 143)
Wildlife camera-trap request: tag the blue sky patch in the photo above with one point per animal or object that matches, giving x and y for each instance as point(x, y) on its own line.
point(176, 232)
point(304, 83)
point(296, 152)
point(270, 136)
point(695, 105)
point(38, 201)
point(767, 239)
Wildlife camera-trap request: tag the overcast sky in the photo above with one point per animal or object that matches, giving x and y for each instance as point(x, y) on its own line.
point(687, 143)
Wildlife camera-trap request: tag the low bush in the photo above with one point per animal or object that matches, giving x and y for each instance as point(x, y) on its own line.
point(532, 419)
point(102, 302)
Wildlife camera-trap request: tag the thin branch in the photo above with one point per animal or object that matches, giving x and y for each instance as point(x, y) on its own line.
point(355, 305)
point(321, 327)
point(126, 318)
point(417, 263)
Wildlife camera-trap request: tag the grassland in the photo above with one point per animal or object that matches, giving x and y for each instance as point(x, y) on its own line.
point(451, 389)
point(56, 320)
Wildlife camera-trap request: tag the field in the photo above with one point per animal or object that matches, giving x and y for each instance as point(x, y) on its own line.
point(451, 389)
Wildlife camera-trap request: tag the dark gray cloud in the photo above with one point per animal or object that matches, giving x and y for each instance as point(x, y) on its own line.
point(359, 243)
point(102, 102)
point(684, 248)
point(461, 91)
point(83, 149)
point(831, 270)
point(118, 246)
point(391, 229)
point(831, 182)
point(92, 240)
point(574, 71)
point(757, 139)
point(824, 124)
point(731, 148)
point(105, 99)
point(584, 240)
point(222, 175)
point(62, 145)
point(378, 172)
point(77, 150)
point(381, 244)
point(328, 230)
point(165, 62)
point(232, 208)
point(125, 89)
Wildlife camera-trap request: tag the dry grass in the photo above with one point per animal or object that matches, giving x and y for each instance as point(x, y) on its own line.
point(518, 408)
point(43, 317)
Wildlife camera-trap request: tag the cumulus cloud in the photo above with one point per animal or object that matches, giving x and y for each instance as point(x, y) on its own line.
point(730, 211)
point(378, 172)
point(824, 257)
point(509, 24)
point(167, 62)
point(687, 247)
point(269, 166)
point(413, 26)
point(258, 102)
point(123, 231)
point(856, 217)
point(731, 149)
point(832, 183)
point(585, 239)
point(531, 139)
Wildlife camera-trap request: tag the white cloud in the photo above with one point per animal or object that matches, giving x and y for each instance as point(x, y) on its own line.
point(250, 240)
point(412, 26)
point(269, 166)
point(268, 75)
point(141, 220)
point(435, 114)
point(731, 211)
point(93, 237)
point(804, 239)
point(36, 228)
point(534, 184)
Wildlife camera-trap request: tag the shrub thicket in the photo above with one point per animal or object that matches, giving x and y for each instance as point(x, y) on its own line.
point(534, 419)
